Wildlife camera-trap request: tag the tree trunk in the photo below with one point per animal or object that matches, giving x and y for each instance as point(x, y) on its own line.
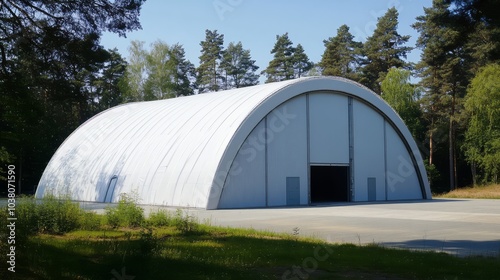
point(454, 160)
point(474, 174)
point(450, 153)
point(214, 86)
point(451, 136)
point(431, 144)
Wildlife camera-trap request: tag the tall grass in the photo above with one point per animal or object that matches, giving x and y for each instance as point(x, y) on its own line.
point(59, 215)
point(53, 215)
point(480, 192)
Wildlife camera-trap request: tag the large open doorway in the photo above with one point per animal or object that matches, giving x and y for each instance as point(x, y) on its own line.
point(329, 183)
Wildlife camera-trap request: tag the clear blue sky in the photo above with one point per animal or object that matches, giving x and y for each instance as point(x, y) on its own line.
point(257, 22)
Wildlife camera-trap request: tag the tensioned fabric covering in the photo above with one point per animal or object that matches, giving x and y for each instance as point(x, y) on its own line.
point(179, 152)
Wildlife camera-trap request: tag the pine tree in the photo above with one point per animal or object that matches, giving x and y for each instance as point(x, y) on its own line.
point(209, 73)
point(109, 85)
point(342, 55)
point(482, 27)
point(183, 76)
point(281, 67)
point(444, 76)
point(483, 45)
point(301, 63)
point(239, 68)
point(383, 50)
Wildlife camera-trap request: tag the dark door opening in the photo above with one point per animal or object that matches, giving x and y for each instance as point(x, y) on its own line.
point(329, 183)
point(111, 189)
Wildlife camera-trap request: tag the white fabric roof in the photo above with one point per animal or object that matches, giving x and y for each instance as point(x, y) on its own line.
point(177, 151)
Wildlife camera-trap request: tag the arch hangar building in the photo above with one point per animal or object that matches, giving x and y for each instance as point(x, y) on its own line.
point(298, 142)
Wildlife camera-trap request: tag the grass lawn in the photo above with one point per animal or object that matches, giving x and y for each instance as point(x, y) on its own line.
point(485, 192)
point(222, 253)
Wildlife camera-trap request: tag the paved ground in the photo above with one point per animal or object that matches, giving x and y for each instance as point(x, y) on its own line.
point(462, 227)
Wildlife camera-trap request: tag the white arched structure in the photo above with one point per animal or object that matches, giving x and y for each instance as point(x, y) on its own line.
point(277, 144)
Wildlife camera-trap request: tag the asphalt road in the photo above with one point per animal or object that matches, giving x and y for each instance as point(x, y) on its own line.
point(462, 227)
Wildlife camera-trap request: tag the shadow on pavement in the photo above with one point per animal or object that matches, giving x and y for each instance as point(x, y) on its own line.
point(461, 248)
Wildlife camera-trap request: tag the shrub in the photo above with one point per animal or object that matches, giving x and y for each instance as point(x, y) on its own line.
point(126, 213)
point(58, 215)
point(50, 215)
point(432, 173)
point(184, 222)
point(160, 218)
point(27, 212)
point(113, 217)
point(90, 221)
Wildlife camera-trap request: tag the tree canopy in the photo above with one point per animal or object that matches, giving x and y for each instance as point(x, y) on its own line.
point(482, 138)
point(281, 67)
point(159, 73)
point(301, 62)
point(404, 98)
point(239, 67)
point(342, 55)
point(209, 73)
point(383, 50)
point(36, 23)
point(288, 62)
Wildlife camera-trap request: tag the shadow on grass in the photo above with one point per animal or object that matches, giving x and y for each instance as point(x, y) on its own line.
point(226, 254)
point(112, 259)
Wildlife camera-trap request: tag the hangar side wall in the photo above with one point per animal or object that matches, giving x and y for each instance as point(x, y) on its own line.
point(246, 182)
point(275, 150)
point(402, 179)
point(287, 150)
point(368, 152)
